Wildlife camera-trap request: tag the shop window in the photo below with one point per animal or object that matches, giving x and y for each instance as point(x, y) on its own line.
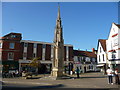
point(10, 56)
point(12, 45)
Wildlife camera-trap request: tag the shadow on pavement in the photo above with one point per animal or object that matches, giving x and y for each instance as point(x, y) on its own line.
point(31, 88)
point(95, 77)
point(57, 87)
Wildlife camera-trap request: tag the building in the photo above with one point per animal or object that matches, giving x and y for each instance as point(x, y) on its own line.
point(16, 53)
point(9, 51)
point(108, 54)
point(102, 55)
point(113, 46)
point(85, 60)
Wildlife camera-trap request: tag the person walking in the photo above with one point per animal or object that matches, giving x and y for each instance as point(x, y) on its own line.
point(116, 77)
point(77, 70)
point(110, 73)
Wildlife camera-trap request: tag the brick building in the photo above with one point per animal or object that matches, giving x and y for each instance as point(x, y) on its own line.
point(10, 51)
point(16, 53)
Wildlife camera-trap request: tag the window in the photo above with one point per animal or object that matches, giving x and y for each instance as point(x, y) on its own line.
point(10, 56)
point(0, 45)
point(99, 58)
point(13, 36)
point(44, 45)
point(43, 51)
point(12, 45)
point(35, 45)
point(100, 49)
point(24, 54)
point(25, 44)
point(103, 58)
point(113, 56)
point(67, 52)
point(115, 42)
point(51, 51)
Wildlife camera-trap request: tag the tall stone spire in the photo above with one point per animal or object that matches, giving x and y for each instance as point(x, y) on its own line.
point(58, 28)
point(58, 60)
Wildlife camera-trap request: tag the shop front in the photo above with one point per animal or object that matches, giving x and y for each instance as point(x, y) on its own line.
point(8, 66)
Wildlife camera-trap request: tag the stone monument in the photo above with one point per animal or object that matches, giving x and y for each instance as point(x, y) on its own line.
point(58, 59)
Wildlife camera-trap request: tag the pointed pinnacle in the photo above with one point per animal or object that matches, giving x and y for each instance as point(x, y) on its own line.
point(58, 11)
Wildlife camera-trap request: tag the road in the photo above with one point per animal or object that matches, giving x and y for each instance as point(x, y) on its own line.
point(88, 81)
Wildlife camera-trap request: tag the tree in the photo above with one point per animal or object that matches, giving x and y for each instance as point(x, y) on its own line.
point(35, 62)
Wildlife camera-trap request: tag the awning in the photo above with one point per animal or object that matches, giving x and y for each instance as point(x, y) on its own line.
point(100, 65)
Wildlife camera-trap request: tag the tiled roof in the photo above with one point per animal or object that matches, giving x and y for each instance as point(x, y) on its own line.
point(84, 53)
point(103, 43)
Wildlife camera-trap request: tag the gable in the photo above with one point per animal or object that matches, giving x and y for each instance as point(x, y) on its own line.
point(100, 48)
point(102, 44)
point(113, 31)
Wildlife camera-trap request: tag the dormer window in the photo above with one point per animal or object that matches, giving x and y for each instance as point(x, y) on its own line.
point(13, 36)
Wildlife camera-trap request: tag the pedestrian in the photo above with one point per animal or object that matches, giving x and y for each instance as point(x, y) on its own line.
point(77, 70)
point(116, 77)
point(110, 73)
point(16, 73)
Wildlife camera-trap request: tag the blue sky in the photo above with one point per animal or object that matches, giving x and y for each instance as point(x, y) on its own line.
point(83, 22)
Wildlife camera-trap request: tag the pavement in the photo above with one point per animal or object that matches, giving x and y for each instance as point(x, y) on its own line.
point(92, 81)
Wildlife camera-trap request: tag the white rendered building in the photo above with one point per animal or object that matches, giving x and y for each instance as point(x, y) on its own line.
point(113, 47)
point(102, 54)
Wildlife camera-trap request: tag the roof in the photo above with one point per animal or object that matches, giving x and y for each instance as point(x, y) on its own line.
point(84, 53)
point(118, 25)
point(11, 34)
point(30, 41)
point(103, 43)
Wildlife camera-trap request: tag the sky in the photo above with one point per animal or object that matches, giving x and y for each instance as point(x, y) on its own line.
point(83, 22)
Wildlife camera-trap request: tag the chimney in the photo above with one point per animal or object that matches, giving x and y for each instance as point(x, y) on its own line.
point(93, 49)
